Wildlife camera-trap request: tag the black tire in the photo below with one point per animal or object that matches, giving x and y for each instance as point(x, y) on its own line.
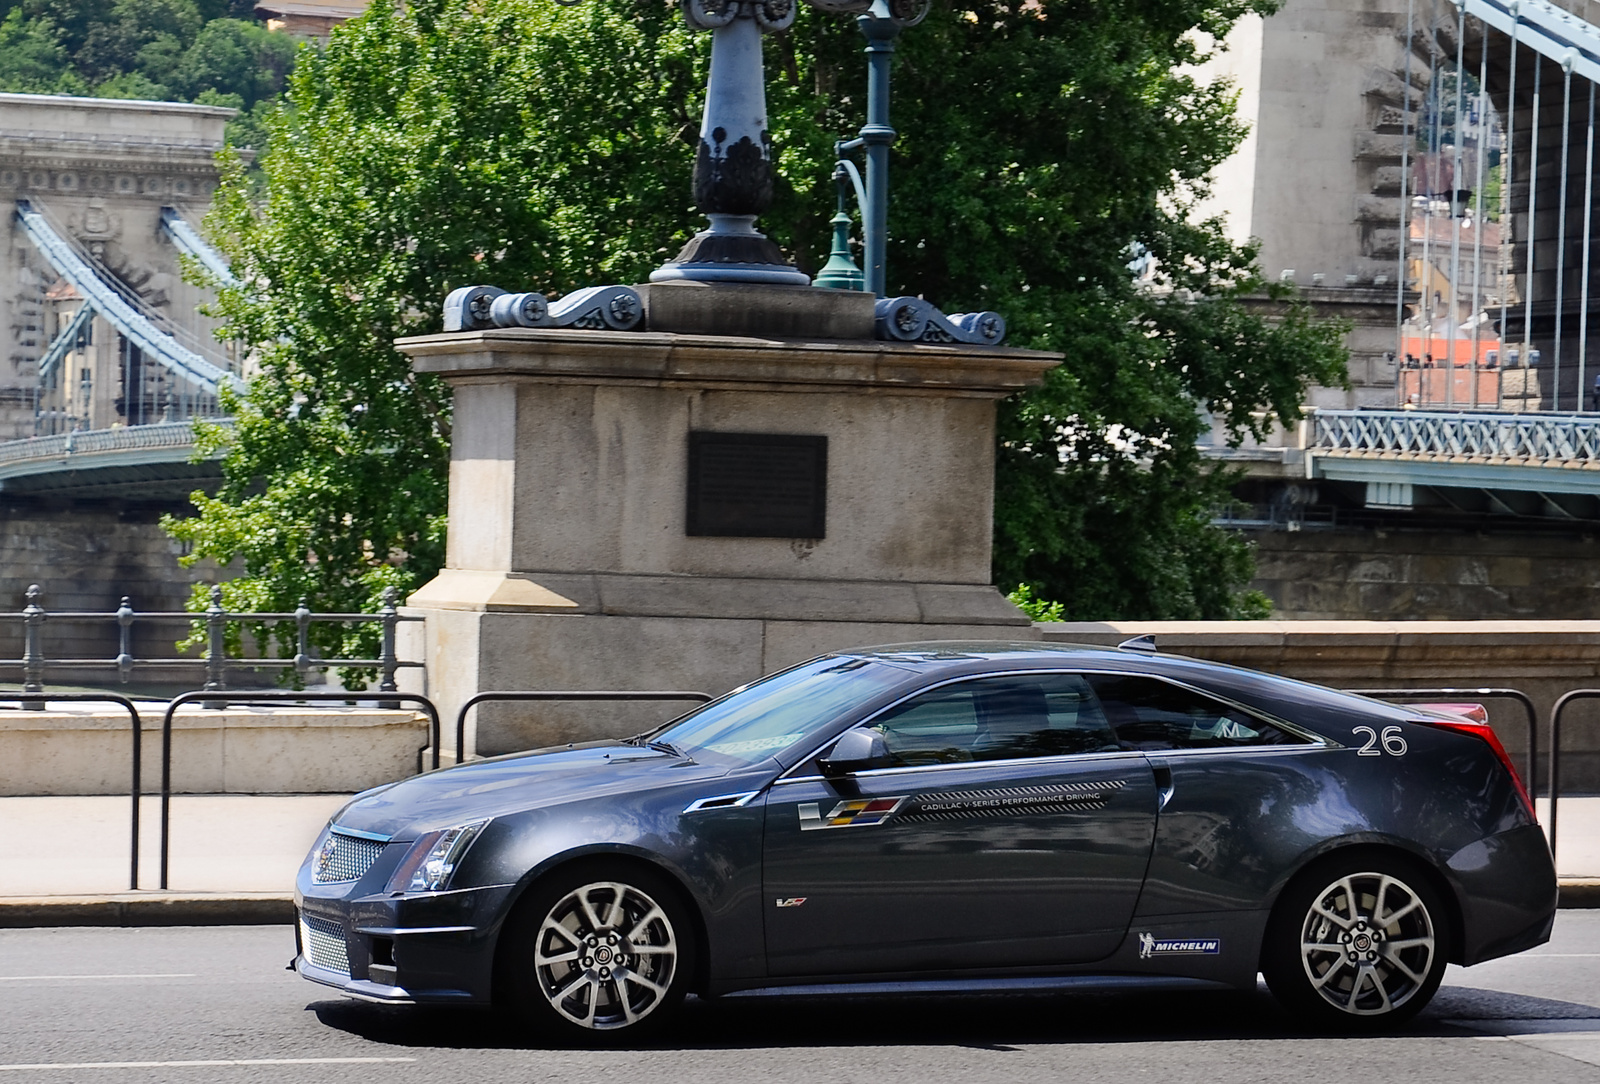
point(570, 962)
point(1361, 971)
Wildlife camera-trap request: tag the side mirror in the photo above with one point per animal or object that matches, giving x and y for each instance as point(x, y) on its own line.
point(855, 751)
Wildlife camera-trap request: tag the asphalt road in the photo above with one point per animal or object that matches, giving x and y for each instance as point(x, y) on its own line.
point(214, 1004)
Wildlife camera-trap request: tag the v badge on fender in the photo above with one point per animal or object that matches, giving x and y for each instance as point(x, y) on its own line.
point(855, 813)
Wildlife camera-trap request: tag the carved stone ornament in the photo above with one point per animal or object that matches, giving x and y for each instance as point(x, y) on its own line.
point(773, 15)
point(911, 319)
point(595, 308)
point(736, 179)
point(709, 14)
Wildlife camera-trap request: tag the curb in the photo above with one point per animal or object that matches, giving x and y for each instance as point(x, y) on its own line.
point(1580, 892)
point(149, 909)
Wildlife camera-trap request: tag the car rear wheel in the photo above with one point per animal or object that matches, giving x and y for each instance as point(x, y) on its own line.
point(1357, 944)
point(599, 953)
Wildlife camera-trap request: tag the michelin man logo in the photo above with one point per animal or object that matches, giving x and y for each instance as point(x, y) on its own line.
point(1178, 946)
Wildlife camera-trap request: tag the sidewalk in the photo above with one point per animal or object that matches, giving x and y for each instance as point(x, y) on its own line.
point(220, 843)
point(233, 857)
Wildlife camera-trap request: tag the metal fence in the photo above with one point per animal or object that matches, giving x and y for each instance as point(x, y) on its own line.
point(219, 699)
point(1552, 441)
point(524, 695)
point(136, 759)
point(215, 622)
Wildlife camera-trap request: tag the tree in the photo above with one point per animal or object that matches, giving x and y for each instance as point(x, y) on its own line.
point(1045, 146)
point(31, 61)
point(208, 51)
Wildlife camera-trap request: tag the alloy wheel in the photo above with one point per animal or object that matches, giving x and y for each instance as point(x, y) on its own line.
point(605, 955)
point(1367, 944)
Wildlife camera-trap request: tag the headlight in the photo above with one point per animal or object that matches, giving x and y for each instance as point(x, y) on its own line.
point(433, 858)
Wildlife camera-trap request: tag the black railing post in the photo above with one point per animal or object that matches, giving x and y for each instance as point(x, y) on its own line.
point(302, 632)
point(1556, 712)
point(388, 661)
point(125, 640)
point(216, 646)
point(33, 616)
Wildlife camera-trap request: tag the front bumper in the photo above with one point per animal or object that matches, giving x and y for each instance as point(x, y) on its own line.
point(436, 948)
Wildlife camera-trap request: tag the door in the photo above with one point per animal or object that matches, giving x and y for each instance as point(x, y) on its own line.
point(1011, 830)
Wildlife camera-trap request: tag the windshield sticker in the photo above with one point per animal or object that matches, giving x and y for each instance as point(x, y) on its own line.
point(1150, 946)
point(856, 813)
point(755, 745)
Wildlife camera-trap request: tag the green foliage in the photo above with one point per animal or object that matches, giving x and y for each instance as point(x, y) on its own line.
point(208, 51)
point(31, 60)
point(1044, 145)
point(1036, 608)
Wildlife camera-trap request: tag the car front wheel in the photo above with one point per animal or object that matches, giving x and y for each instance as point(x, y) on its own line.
point(1357, 944)
point(599, 953)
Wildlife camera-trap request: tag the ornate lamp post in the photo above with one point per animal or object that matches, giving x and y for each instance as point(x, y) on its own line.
point(733, 165)
point(733, 185)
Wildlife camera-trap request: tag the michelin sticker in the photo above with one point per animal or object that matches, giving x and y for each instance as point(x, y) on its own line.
point(1150, 946)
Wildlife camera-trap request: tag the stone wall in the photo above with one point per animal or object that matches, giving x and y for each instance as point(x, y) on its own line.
point(75, 749)
point(86, 557)
point(1372, 573)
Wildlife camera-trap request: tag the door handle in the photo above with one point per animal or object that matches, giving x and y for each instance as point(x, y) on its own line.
point(1163, 776)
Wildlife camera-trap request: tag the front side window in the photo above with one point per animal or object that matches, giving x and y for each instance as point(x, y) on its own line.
point(998, 718)
point(1149, 714)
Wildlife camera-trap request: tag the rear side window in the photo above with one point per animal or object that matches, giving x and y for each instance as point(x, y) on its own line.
point(999, 718)
point(1149, 714)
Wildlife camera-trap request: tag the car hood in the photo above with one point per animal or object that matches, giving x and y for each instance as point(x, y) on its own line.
point(507, 784)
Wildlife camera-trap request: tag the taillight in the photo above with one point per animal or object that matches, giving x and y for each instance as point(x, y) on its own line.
point(1480, 729)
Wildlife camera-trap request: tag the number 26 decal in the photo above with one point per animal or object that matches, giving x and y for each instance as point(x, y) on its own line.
point(1392, 741)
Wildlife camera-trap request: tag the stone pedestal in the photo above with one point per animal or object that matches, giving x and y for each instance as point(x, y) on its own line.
point(570, 562)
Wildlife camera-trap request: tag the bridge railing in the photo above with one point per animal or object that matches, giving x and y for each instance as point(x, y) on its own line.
point(127, 438)
point(1546, 439)
point(214, 625)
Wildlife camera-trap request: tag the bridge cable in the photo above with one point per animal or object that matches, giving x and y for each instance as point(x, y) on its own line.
point(191, 367)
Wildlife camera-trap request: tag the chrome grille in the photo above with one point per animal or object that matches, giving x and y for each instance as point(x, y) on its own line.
point(323, 944)
point(344, 858)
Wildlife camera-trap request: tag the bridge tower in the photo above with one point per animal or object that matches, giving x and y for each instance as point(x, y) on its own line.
point(104, 354)
point(1425, 169)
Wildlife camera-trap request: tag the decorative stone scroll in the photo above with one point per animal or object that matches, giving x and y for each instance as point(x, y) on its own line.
point(594, 308)
point(911, 319)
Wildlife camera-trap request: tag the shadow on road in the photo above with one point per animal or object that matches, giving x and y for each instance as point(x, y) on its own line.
point(982, 1021)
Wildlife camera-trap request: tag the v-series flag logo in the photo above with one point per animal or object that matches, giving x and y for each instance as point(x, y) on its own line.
point(1190, 946)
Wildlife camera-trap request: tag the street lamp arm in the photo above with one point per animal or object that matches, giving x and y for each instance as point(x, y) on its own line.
point(848, 168)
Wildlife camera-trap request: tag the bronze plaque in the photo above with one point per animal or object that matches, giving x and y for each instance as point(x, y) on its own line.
point(757, 485)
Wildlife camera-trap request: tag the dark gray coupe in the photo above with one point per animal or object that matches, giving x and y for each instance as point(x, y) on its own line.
point(961, 816)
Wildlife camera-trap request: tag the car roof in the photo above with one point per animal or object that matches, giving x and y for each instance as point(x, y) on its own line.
point(951, 654)
point(956, 658)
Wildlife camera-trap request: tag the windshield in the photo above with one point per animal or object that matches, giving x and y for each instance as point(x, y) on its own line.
point(764, 718)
